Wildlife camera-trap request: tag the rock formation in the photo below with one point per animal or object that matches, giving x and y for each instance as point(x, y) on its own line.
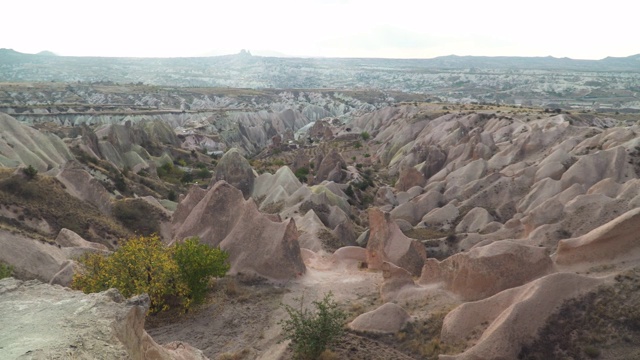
point(235, 170)
point(388, 243)
point(498, 326)
point(267, 247)
point(330, 168)
point(387, 319)
point(616, 239)
point(23, 145)
point(70, 324)
point(487, 270)
point(82, 185)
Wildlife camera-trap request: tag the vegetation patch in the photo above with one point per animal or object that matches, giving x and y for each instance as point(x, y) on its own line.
point(5, 270)
point(139, 216)
point(425, 233)
point(312, 332)
point(145, 265)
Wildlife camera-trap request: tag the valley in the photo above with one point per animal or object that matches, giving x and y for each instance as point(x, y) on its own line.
point(448, 219)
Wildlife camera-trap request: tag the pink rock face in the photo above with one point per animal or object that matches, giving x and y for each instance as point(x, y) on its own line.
point(487, 270)
point(615, 239)
point(257, 244)
point(409, 178)
point(388, 243)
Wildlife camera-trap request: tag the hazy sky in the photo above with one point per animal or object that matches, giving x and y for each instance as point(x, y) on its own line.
point(341, 28)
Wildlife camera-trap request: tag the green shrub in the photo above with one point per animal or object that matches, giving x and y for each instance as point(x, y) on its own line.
point(30, 172)
point(5, 270)
point(120, 183)
point(203, 173)
point(302, 173)
point(170, 173)
point(145, 265)
point(186, 178)
point(198, 263)
point(141, 265)
point(365, 135)
point(312, 332)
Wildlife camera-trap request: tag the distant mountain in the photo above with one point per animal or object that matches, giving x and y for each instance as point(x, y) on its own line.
point(46, 53)
point(503, 79)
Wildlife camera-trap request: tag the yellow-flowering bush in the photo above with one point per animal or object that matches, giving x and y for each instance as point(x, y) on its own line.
point(144, 264)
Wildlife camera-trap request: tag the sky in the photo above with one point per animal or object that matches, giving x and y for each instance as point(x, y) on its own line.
point(322, 28)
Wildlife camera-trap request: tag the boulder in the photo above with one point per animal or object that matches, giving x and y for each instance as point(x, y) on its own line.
point(552, 170)
point(387, 319)
point(70, 324)
point(388, 243)
point(475, 220)
point(409, 178)
point(30, 259)
point(350, 253)
point(418, 207)
point(67, 238)
point(486, 270)
point(268, 248)
point(385, 196)
point(235, 170)
point(441, 218)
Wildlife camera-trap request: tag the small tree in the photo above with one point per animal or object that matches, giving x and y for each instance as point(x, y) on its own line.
point(145, 265)
point(365, 135)
point(312, 332)
point(30, 172)
point(198, 263)
point(141, 265)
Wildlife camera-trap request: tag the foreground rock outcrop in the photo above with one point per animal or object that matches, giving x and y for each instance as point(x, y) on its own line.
point(40, 321)
point(258, 244)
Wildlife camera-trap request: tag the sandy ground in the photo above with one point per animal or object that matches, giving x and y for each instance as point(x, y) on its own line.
point(240, 319)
